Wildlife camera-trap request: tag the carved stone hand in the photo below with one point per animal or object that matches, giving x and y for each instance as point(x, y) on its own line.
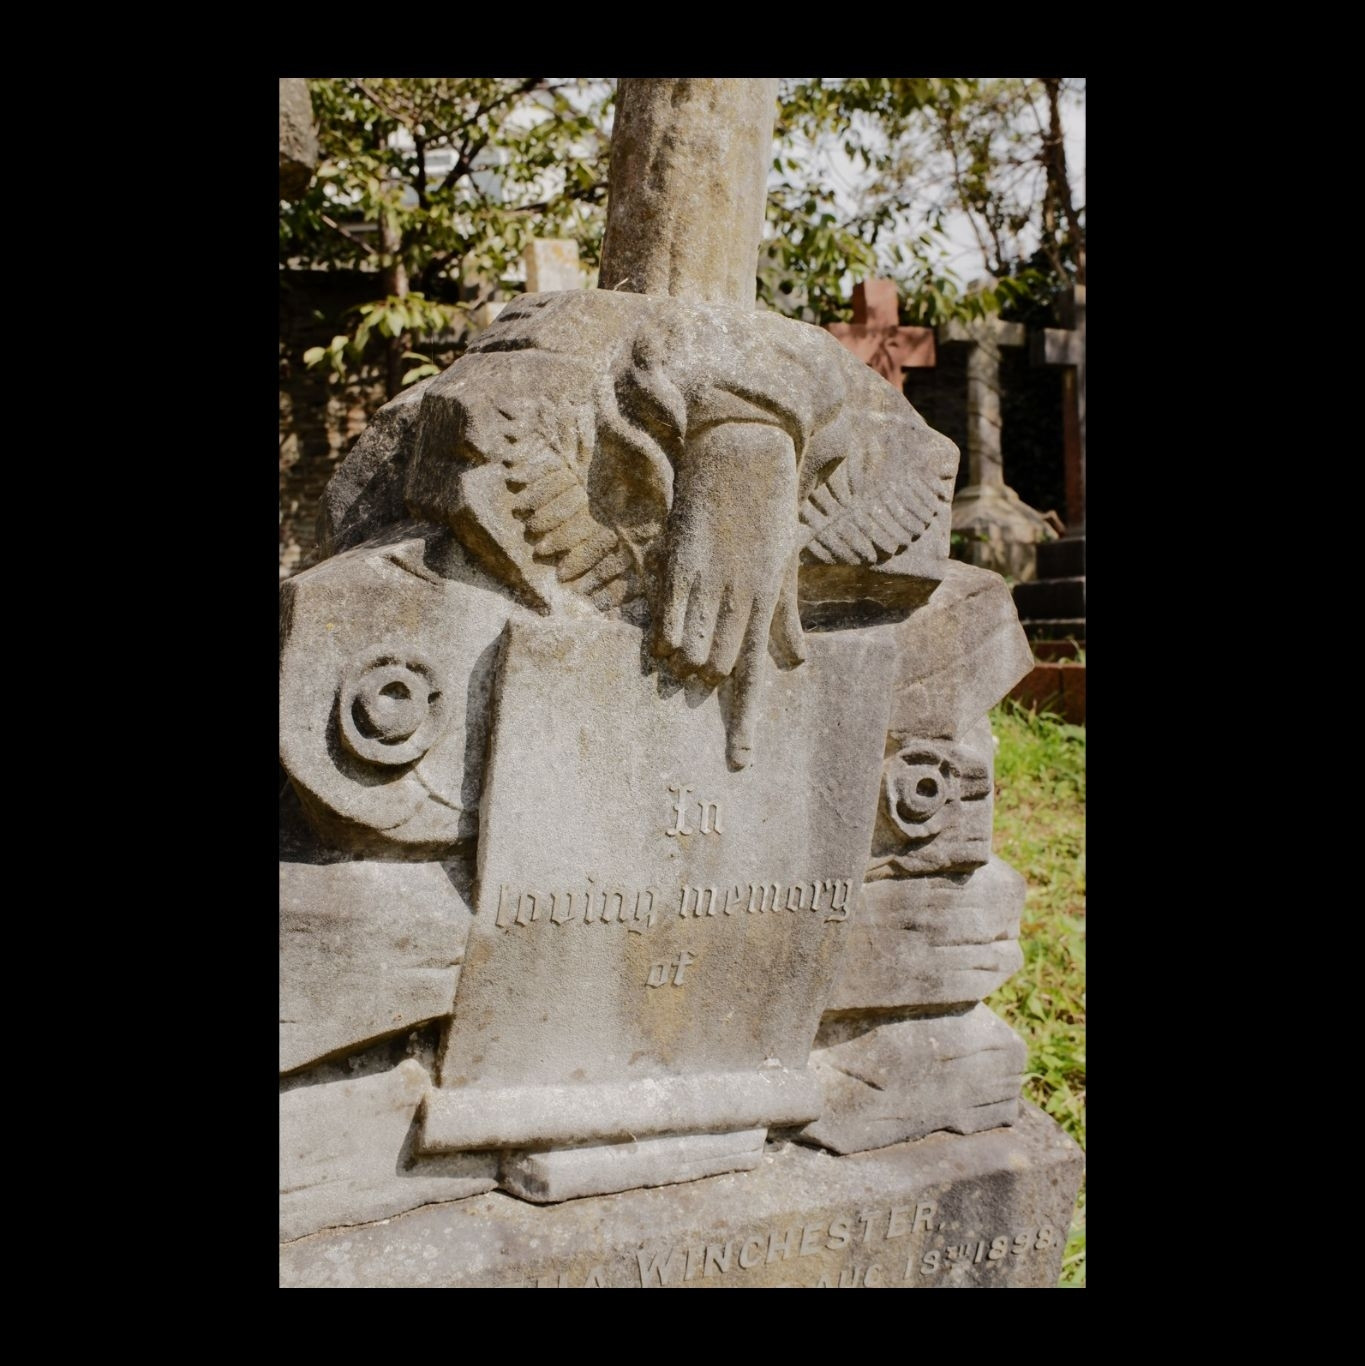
point(730, 566)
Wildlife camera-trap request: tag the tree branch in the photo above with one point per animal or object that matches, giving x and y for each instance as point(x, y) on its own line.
point(349, 236)
point(464, 161)
point(378, 103)
point(962, 197)
point(1059, 182)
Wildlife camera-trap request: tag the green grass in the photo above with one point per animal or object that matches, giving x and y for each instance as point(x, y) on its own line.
point(1040, 830)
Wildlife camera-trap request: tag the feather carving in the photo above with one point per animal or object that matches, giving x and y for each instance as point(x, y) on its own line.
point(893, 486)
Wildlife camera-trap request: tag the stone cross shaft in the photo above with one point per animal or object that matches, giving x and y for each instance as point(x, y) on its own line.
point(985, 336)
point(1065, 346)
point(876, 336)
point(689, 179)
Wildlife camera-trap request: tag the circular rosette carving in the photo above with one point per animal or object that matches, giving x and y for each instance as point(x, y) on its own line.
point(391, 706)
point(918, 783)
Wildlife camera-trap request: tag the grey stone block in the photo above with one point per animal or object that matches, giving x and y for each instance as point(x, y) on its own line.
point(992, 1209)
point(366, 950)
point(1049, 599)
point(932, 940)
point(589, 765)
point(1064, 559)
point(346, 1154)
point(910, 1077)
point(960, 654)
point(570, 1173)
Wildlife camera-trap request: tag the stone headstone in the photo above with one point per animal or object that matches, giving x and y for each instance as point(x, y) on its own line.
point(876, 336)
point(552, 264)
point(1000, 530)
point(637, 900)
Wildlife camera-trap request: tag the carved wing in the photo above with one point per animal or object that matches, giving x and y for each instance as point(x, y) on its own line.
point(893, 486)
point(551, 499)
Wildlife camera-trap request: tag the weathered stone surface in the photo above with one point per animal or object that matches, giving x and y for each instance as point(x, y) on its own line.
point(602, 451)
point(689, 179)
point(614, 730)
point(365, 495)
point(614, 385)
point(909, 1077)
point(932, 940)
point(992, 1209)
point(385, 670)
point(346, 1154)
point(571, 1173)
point(366, 950)
point(298, 137)
point(960, 654)
point(628, 875)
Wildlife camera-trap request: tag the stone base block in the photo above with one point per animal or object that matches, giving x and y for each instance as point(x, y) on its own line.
point(1062, 559)
point(1002, 531)
point(346, 1153)
point(1046, 599)
point(549, 1177)
point(992, 1209)
point(906, 1078)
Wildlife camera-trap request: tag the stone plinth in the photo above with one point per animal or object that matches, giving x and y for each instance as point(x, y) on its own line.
point(992, 1209)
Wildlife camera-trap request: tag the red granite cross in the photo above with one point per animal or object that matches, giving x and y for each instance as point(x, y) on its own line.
point(875, 334)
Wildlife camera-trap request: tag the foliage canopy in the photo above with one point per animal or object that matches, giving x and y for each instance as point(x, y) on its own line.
point(436, 186)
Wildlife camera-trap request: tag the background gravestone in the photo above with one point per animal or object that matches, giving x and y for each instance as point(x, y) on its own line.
point(1000, 529)
point(876, 336)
